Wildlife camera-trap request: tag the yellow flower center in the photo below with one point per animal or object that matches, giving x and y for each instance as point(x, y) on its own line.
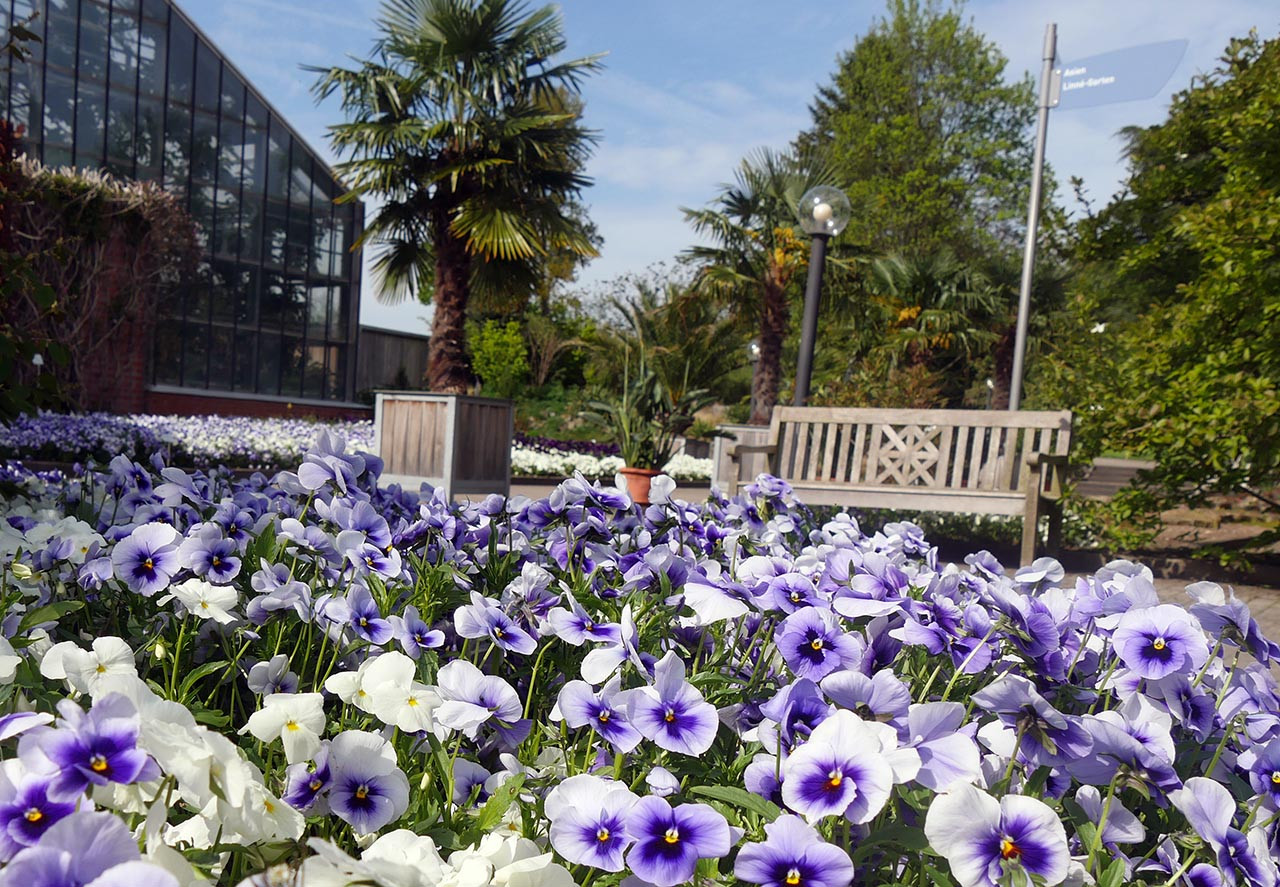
point(413, 702)
point(34, 814)
point(672, 836)
point(216, 561)
point(101, 669)
point(602, 835)
point(605, 715)
point(793, 876)
point(670, 716)
point(834, 778)
point(499, 633)
point(816, 644)
point(291, 725)
point(98, 763)
point(1275, 778)
point(149, 564)
point(315, 785)
point(362, 792)
point(1158, 644)
point(1009, 850)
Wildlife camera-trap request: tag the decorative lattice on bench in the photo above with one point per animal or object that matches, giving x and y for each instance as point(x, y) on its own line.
point(979, 461)
point(940, 449)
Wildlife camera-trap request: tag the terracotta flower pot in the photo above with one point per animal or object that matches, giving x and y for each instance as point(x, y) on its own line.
point(638, 483)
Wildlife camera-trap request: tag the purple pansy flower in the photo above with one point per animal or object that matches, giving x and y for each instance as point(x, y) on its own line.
point(946, 756)
point(589, 821)
point(1048, 736)
point(473, 699)
point(672, 713)
point(669, 841)
point(811, 642)
point(603, 712)
point(366, 619)
point(841, 770)
point(85, 848)
point(26, 809)
point(148, 558)
point(272, 676)
point(575, 625)
point(881, 698)
point(1262, 764)
point(367, 790)
point(793, 854)
point(306, 782)
point(484, 618)
point(209, 555)
point(413, 634)
point(982, 838)
point(1160, 640)
point(1210, 810)
point(96, 748)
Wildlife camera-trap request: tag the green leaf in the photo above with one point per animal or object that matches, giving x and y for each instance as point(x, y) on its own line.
point(494, 808)
point(211, 717)
point(1113, 876)
point(739, 798)
point(48, 613)
point(207, 669)
point(896, 834)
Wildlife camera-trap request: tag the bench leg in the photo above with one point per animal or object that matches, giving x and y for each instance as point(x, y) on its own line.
point(1054, 542)
point(1030, 528)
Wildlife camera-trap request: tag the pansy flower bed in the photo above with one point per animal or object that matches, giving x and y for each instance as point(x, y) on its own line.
point(310, 679)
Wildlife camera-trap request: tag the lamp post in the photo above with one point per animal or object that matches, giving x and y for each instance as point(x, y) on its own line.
point(823, 212)
point(753, 358)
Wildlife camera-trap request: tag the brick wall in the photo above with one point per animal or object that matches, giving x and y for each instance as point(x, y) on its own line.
point(193, 404)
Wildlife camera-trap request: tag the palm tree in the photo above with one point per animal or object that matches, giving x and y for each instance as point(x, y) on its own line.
point(935, 313)
point(756, 254)
point(465, 126)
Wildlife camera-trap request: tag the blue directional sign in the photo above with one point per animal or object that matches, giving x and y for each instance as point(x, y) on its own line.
point(1123, 75)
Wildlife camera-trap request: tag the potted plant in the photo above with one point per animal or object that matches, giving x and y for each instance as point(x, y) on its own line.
point(646, 420)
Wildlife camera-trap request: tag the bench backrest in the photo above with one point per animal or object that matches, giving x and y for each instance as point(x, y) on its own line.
point(942, 449)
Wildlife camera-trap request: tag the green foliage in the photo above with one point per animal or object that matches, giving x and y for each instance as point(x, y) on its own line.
point(499, 358)
point(647, 416)
point(1182, 285)
point(470, 139)
point(934, 144)
point(757, 257)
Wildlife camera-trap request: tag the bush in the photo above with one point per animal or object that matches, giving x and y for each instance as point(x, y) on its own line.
point(499, 358)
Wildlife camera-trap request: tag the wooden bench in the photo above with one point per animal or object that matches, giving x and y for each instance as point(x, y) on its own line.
point(972, 461)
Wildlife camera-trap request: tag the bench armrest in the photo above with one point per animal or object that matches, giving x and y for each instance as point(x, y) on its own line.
point(733, 451)
point(1048, 472)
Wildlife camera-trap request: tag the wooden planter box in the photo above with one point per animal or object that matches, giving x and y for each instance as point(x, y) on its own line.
point(460, 443)
point(724, 471)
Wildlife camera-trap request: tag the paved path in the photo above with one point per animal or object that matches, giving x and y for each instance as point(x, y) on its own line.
point(1264, 603)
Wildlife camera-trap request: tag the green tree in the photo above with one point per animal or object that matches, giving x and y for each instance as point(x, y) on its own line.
point(757, 256)
point(1173, 350)
point(935, 146)
point(500, 358)
point(463, 126)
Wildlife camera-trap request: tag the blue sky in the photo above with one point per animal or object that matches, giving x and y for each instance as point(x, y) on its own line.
point(691, 86)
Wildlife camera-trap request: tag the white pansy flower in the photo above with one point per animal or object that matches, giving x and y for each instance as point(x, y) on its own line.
point(296, 719)
point(83, 669)
point(205, 600)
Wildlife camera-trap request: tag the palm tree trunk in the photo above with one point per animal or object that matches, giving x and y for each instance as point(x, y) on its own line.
point(767, 378)
point(447, 370)
point(1004, 370)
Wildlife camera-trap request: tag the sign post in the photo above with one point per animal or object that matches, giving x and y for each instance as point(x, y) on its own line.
point(1122, 75)
point(1033, 214)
